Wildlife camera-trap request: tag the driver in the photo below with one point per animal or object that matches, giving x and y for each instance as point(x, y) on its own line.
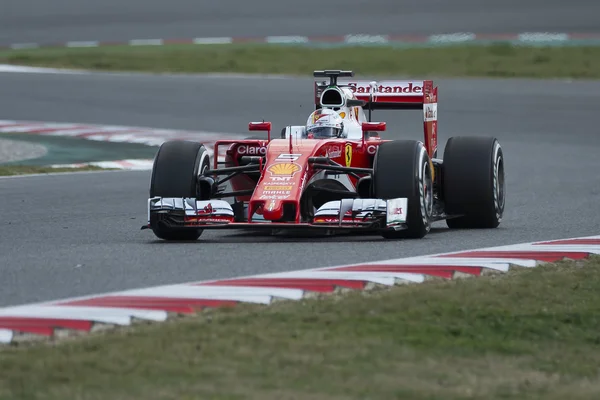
point(324, 123)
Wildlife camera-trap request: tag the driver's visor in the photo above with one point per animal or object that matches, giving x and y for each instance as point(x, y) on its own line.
point(323, 132)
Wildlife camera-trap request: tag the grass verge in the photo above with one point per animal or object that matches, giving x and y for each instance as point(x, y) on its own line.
point(69, 150)
point(529, 334)
point(495, 60)
point(31, 169)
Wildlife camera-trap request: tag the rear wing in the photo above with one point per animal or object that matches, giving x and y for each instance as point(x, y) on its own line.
point(384, 95)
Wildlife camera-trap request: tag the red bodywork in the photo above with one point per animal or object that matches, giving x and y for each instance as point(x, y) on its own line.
point(286, 169)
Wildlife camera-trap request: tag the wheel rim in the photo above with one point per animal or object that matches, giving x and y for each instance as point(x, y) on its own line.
point(205, 165)
point(426, 193)
point(499, 185)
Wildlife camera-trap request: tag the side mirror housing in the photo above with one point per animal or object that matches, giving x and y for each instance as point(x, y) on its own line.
point(373, 126)
point(259, 126)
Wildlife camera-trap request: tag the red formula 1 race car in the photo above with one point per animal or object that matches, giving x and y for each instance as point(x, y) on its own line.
point(333, 174)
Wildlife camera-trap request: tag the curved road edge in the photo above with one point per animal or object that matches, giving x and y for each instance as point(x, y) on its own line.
point(52, 320)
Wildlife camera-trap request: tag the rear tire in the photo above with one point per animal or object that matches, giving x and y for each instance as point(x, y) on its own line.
point(473, 171)
point(402, 168)
point(175, 174)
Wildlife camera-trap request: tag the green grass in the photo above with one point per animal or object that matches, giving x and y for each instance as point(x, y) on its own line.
point(70, 150)
point(529, 334)
point(30, 169)
point(496, 60)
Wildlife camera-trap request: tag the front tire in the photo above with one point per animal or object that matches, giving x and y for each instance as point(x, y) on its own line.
point(474, 182)
point(175, 174)
point(402, 168)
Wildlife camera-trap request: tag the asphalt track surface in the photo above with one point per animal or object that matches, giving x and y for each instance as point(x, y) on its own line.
point(74, 235)
point(115, 20)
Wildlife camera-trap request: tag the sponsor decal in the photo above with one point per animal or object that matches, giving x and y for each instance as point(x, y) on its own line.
point(271, 205)
point(203, 220)
point(284, 169)
point(317, 115)
point(252, 150)
point(278, 192)
point(372, 149)
point(208, 209)
point(279, 184)
point(410, 88)
point(334, 152)
point(322, 219)
point(273, 197)
point(343, 114)
point(396, 211)
point(276, 179)
point(430, 112)
point(335, 219)
point(277, 187)
point(348, 154)
point(288, 157)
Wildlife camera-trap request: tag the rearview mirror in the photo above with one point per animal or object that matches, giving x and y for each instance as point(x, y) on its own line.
point(373, 126)
point(259, 126)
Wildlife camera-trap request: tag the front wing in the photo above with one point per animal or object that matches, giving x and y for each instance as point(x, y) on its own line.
point(345, 214)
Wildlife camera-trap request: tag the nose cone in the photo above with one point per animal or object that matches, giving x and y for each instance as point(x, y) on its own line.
point(273, 210)
point(280, 188)
point(283, 177)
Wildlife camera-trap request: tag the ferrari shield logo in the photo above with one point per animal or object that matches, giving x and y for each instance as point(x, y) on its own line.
point(348, 154)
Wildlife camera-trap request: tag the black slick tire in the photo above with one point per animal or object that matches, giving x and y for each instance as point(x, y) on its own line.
point(473, 176)
point(175, 174)
point(402, 168)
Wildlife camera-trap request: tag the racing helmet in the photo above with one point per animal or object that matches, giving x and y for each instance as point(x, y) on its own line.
point(324, 123)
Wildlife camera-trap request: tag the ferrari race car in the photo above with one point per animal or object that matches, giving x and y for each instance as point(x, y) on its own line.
point(355, 181)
